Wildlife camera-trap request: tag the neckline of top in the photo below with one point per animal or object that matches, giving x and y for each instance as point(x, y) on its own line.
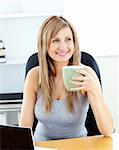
point(62, 99)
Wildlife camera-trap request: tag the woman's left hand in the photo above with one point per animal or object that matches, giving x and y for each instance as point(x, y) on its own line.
point(87, 82)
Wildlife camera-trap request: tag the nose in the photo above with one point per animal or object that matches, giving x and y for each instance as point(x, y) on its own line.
point(62, 45)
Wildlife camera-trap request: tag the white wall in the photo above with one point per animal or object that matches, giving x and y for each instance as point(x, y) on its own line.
point(97, 24)
point(20, 35)
point(109, 68)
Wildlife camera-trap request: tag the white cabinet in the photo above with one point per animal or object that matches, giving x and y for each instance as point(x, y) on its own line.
point(9, 113)
point(12, 76)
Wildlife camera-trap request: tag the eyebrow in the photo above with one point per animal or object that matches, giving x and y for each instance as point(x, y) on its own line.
point(58, 37)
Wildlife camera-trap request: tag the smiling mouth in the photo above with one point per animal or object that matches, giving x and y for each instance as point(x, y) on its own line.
point(62, 53)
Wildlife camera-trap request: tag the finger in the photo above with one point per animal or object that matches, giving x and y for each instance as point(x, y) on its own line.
point(78, 88)
point(75, 82)
point(90, 71)
point(82, 72)
point(75, 89)
point(80, 79)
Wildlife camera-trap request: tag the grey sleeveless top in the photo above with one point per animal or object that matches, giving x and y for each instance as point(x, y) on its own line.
point(60, 123)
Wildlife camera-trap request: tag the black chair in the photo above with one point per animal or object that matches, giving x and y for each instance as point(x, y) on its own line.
point(88, 60)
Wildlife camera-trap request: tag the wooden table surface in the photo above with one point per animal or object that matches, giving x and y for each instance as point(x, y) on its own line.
point(86, 143)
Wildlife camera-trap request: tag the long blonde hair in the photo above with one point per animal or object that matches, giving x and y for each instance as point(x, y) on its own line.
point(51, 26)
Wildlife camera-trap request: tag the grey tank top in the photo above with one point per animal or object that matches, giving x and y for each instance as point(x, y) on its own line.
point(60, 123)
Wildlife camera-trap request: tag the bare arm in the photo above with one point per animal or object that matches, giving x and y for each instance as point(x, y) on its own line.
point(91, 85)
point(101, 112)
point(29, 98)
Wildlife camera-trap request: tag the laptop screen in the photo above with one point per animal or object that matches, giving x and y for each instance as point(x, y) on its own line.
point(15, 138)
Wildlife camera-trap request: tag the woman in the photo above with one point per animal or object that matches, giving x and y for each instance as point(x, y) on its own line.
point(61, 114)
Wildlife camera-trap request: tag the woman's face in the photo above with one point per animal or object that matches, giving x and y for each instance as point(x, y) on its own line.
point(61, 46)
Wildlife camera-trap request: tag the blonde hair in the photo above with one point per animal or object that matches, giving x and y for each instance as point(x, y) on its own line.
point(51, 26)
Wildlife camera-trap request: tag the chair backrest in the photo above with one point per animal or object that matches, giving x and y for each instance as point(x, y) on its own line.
point(88, 60)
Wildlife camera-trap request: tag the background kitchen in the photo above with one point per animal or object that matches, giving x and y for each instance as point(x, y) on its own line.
point(97, 24)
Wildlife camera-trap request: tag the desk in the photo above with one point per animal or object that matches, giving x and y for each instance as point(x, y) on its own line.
point(85, 143)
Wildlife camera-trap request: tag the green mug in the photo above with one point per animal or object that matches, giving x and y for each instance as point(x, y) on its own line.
point(69, 72)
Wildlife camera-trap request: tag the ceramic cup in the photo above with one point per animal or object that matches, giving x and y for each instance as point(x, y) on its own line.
point(69, 72)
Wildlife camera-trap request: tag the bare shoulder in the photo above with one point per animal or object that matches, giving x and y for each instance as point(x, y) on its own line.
point(34, 72)
point(33, 78)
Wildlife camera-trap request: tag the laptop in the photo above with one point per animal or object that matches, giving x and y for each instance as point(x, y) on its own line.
point(17, 138)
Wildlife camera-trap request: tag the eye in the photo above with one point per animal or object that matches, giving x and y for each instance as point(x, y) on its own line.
point(68, 39)
point(55, 40)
